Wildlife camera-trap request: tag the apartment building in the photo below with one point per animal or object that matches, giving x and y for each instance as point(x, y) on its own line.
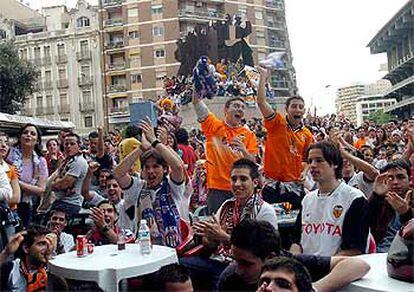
point(65, 47)
point(358, 101)
point(139, 40)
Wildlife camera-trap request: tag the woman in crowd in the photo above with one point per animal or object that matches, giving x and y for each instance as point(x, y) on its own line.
point(27, 157)
point(54, 157)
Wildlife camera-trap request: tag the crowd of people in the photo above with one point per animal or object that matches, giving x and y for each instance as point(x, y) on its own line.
point(351, 185)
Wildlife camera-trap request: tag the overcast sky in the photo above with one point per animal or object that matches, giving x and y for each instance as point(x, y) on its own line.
point(328, 40)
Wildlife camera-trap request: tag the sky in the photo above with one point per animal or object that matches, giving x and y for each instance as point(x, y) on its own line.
point(328, 40)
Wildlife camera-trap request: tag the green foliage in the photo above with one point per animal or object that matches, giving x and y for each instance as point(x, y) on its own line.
point(17, 79)
point(380, 117)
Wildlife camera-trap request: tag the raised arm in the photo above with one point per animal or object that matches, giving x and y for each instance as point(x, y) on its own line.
point(264, 106)
point(369, 170)
point(101, 151)
point(173, 160)
point(86, 194)
point(121, 171)
point(200, 108)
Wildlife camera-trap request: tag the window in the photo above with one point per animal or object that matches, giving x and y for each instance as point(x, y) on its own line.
point(62, 73)
point(84, 46)
point(88, 122)
point(3, 34)
point(63, 98)
point(133, 12)
point(159, 54)
point(82, 22)
point(87, 96)
point(39, 101)
point(49, 100)
point(85, 71)
point(48, 76)
point(61, 49)
point(156, 9)
point(158, 31)
point(136, 78)
point(133, 34)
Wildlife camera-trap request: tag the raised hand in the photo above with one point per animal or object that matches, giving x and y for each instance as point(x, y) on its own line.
point(381, 186)
point(15, 242)
point(148, 130)
point(98, 217)
point(399, 204)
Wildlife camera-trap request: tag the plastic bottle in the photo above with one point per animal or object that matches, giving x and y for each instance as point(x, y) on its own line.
point(144, 237)
point(121, 241)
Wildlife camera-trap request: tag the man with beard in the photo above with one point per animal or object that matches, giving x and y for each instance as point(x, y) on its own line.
point(392, 203)
point(28, 271)
point(57, 222)
point(287, 141)
point(227, 141)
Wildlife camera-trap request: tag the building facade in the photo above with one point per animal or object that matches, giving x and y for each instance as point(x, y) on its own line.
point(66, 49)
point(396, 39)
point(358, 101)
point(139, 40)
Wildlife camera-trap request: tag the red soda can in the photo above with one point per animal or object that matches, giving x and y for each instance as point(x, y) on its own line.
point(90, 248)
point(81, 248)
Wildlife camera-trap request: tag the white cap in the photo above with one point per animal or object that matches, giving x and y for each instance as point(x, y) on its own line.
point(143, 221)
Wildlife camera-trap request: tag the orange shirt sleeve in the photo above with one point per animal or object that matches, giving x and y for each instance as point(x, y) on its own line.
point(274, 122)
point(252, 145)
point(209, 125)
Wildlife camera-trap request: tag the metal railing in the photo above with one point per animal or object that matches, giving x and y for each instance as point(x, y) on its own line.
point(201, 14)
point(124, 110)
point(117, 88)
point(117, 66)
point(113, 22)
point(116, 44)
point(106, 3)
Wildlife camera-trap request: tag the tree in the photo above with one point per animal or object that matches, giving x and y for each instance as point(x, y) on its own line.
point(17, 79)
point(380, 117)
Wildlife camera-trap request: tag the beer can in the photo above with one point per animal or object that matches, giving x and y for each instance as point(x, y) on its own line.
point(90, 248)
point(81, 248)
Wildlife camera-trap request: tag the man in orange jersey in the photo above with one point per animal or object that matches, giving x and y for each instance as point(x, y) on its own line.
point(286, 144)
point(227, 141)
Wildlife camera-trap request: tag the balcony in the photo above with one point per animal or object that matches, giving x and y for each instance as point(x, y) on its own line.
point(64, 108)
point(280, 25)
point(117, 66)
point(85, 81)
point(87, 106)
point(201, 14)
point(27, 111)
point(47, 85)
point(63, 83)
point(38, 86)
point(279, 84)
point(117, 88)
point(61, 59)
point(276, 44)
point(83, 55)
point(106, 3)
point(37, 61)
point(113, 22)
point(40, 110)
point(119, 111)
point(116, 44)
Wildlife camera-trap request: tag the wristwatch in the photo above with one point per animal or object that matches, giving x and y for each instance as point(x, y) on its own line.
point(155, 143)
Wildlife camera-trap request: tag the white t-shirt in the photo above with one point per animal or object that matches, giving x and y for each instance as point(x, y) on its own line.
point(323, 219)
point(180, 196)
point(358, 181)
point(67, 241)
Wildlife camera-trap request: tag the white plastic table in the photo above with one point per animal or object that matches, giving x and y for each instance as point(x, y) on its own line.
point(106, 266)
point(377, 278)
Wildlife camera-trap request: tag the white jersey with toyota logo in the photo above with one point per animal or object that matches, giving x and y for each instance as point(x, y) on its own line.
point(323, 219)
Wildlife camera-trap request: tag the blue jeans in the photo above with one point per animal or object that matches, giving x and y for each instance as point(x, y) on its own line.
point(204, 271)
point(392, 230)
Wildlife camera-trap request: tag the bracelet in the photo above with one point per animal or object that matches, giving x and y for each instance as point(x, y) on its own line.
point(155, 143)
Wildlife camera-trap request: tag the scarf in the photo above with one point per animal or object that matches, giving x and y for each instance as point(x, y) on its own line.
point(231, 215)
point(162, 215)
point(36, 281)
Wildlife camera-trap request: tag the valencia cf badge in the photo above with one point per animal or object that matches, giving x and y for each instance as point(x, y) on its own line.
point(337, 211)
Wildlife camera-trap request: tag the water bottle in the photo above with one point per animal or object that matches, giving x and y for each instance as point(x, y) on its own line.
point(144, 237)
point(121, 241)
